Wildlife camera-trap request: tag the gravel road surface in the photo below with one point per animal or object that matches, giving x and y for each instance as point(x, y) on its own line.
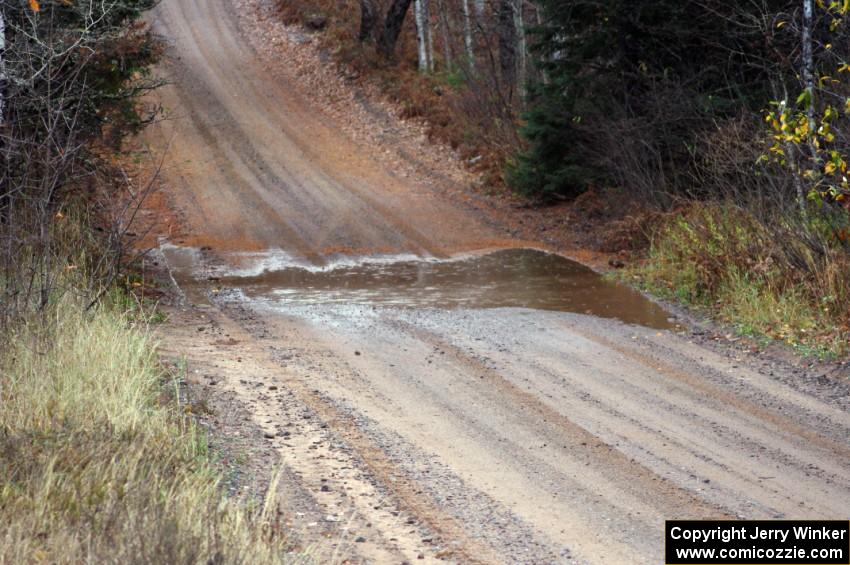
point(468, 435)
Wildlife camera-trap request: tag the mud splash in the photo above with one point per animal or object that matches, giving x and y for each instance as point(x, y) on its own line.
point(520, 278)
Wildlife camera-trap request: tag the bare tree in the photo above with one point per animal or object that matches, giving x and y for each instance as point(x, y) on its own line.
point(420, 12)
point(507, 38)
point(808, 61)
point(444, 29)
point(392, 26)
point(59, 100)
point(522, 55)
point(467, 35)
point(429, 38)
point(368, 19)
point(809, 85)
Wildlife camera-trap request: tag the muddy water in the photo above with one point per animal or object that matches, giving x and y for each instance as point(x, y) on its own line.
point(522, 278)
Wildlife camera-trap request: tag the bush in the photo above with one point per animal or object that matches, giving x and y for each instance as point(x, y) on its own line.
point(73, 74)
point(555, 164)
point(760, 276)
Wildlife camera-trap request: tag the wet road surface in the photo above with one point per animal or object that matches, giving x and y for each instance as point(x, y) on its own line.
point(508, 407)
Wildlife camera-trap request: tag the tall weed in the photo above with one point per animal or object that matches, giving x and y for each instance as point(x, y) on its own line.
point(767, 279)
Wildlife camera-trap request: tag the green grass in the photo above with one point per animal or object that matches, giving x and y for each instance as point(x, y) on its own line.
point(722, 261)
point(98, 464)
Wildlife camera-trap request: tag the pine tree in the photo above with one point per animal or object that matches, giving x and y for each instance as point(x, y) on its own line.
point(649, 76)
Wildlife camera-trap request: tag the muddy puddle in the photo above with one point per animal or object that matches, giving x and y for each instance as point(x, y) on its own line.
point(522, 278)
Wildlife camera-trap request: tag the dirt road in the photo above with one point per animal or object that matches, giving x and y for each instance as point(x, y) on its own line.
point(498, 434)
point(254, 166)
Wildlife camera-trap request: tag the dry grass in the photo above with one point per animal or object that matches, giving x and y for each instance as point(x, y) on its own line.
point(97, 465)
point(768, 280)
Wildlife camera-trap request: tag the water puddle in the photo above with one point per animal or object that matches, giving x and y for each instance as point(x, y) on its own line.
point(523, 278)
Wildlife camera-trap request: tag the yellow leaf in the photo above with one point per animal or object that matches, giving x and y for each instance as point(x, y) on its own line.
point(34, 6)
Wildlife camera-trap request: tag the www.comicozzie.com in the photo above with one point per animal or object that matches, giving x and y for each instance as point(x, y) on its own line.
point(757, 542)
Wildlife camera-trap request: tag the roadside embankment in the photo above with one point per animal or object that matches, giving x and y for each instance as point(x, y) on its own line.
point(98, 463)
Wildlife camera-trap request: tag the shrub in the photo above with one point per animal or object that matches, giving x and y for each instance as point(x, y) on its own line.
point(760, 276)
point(73, 73)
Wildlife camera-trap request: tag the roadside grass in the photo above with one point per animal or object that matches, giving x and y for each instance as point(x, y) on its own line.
point(98, 463)
point(725, 262)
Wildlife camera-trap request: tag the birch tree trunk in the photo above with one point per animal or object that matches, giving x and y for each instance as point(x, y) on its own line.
point(429, 38)
point(809, 85)
point(421, 34)
point(467, 35)
point(808, 59)
point(538, 18)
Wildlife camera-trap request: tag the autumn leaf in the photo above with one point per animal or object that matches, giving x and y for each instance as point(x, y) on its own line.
point(34, 6)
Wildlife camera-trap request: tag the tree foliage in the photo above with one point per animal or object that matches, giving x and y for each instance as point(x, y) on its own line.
point(85, 57)
point(628, 88)
point(72, 73)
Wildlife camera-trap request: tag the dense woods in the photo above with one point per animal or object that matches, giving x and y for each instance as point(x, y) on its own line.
point(732, 114)
point(719, 129)
point(615, 92)
point(605, 94)
point(644, 96)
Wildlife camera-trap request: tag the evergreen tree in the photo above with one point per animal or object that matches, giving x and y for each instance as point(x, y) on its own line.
point(635, 77)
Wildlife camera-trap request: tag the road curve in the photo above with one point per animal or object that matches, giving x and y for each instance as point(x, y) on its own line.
point(497, 435)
